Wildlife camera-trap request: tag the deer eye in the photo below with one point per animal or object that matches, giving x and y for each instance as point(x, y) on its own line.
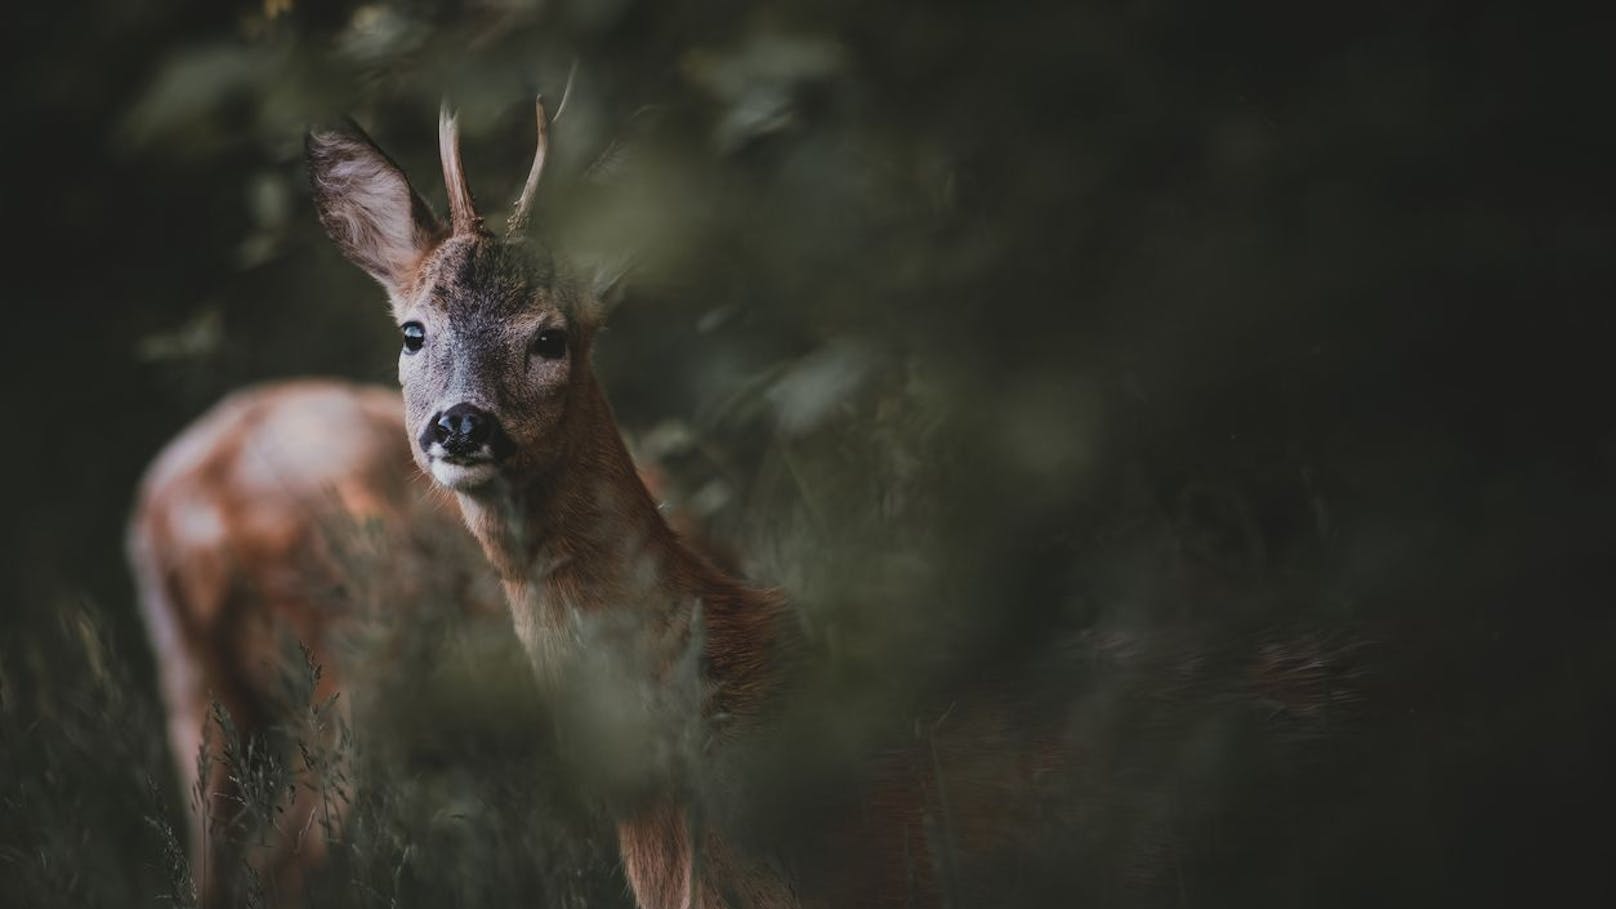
point(551, 344)
point(414, 336)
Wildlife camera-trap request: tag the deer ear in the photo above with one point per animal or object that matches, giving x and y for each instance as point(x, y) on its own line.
point(368, 207)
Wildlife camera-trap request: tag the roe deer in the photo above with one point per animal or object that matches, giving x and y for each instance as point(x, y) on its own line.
point(503, 408)
point(252, 527)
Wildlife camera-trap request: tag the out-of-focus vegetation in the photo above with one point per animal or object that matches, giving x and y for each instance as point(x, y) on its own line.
point(1155, 351)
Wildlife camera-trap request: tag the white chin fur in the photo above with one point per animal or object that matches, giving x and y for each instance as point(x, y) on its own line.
point(463, 477)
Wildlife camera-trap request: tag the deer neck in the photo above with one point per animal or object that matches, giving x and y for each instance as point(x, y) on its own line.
point(584, 541)
point(582, 536)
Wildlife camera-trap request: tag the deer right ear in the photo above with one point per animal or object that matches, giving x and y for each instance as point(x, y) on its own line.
point(368, 207)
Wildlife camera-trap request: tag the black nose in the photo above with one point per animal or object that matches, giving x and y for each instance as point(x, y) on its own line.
point(463, 429)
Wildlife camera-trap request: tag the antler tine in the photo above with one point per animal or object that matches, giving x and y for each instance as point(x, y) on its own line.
point(524, 202)
point(462, 209)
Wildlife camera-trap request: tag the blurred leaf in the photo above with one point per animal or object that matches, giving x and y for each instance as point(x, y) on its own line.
point(759, 85)
point(200, 337)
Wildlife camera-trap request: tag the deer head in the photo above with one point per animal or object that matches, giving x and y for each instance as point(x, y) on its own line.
point(495, 333)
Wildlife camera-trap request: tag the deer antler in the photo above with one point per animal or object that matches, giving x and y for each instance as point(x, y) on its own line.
point(462, 210)
point(524, 202)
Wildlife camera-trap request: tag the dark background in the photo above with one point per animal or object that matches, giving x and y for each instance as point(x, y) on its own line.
point(1027, 318)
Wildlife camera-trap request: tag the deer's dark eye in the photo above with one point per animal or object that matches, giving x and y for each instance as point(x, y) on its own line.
point(551, 344)
point(414, 336)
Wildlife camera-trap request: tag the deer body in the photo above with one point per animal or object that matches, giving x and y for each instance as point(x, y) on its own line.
point(249, 532)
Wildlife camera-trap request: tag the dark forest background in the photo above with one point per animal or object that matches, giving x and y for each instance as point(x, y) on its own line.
point(980, 327)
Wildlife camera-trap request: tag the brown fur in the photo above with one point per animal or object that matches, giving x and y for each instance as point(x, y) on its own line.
point(239, 541)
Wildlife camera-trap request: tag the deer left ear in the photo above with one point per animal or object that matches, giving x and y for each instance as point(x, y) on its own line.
point(369, 208)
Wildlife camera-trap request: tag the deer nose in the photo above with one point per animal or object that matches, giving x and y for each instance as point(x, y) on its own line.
point(463, 429)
